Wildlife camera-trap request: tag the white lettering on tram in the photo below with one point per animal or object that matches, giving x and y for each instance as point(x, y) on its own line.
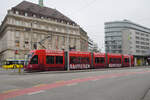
point(79, 66)
point(114, 65)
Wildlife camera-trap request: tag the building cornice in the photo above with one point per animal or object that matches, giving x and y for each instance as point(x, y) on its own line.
point(34, 20)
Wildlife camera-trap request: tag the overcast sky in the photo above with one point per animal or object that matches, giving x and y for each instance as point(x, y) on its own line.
point(91, 14)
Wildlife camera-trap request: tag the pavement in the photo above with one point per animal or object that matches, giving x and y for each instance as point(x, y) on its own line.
point(104, 84)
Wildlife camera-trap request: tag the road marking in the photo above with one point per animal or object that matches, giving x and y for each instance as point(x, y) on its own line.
point(113, 76)
point(95, 80)
point(37, 92)
point(72, 84)
point(59, 81)
point(76, 79)
point(40, 85)
point(8, 91)
point(89, 77)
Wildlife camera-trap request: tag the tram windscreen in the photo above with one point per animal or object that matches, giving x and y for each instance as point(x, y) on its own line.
point(34, 59)
point(29, 56)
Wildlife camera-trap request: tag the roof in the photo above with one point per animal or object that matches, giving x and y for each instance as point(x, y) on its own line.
point(129, 22)
point(39, 10)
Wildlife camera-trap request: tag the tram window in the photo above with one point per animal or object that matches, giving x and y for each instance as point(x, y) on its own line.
point(11, 62)
point(102, 60)
point(72, 60)
point(49, 59)
point(8, 62)
point(118, 60)
point(34, 60)
point(99, 60)
point(85, 60)
point(15, 62)
point(111, 60)
point(79, 60)
point(126, 60)
point(22, 62)
point(96, 60)
point(75, 60)
point(59, 59)
point(88, 61)
point(115, 60)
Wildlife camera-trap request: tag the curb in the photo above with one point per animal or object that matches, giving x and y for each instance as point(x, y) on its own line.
point(88, 70)
point(75, 71)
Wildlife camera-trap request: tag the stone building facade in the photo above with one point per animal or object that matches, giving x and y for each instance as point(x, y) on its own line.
point(27, 25)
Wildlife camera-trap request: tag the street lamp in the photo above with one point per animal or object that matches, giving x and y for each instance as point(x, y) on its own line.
point(31, 35)
point(67, 49)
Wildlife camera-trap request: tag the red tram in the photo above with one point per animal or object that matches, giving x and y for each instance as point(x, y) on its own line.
point(57, 60)
point(99, 60)
point(46, 60)
point(115, 60)
point(79, 60)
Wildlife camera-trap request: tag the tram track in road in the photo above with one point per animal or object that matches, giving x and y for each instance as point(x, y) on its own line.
point(146, 95)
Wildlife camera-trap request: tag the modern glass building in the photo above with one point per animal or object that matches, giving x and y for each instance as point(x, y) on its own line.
point(126, 37)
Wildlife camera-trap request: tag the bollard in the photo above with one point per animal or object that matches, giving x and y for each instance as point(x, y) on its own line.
point(19, 69)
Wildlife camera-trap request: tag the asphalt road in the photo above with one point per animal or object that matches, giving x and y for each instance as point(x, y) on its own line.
point(126, 84)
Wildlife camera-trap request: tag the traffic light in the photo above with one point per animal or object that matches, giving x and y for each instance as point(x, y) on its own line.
point(16, 51)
